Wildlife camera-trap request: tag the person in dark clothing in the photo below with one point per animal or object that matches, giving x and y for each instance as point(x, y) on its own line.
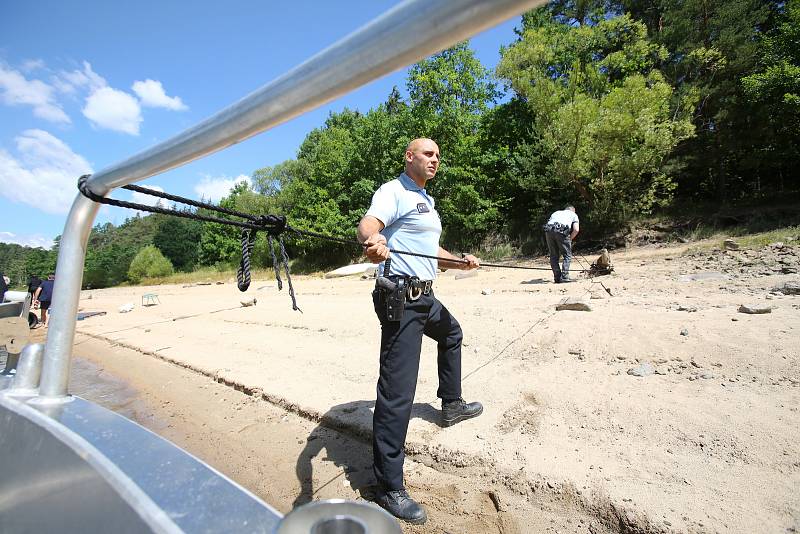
point(33, 284)
point(44, 294)
point(560, 230)
point(3, 286)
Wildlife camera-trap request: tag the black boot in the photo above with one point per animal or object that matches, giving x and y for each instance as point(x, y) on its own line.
point(457, 410)
point(401, 505)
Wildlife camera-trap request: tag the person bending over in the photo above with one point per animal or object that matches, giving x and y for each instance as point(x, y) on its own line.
point(560, 230)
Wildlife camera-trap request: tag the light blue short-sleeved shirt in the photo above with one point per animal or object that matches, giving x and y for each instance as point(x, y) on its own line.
point(411, 223)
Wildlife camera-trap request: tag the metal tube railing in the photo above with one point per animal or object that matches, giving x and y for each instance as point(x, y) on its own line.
point(407, 33)
point(29, 370)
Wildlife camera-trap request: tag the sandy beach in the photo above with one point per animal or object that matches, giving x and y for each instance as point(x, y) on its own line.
point(572, 438)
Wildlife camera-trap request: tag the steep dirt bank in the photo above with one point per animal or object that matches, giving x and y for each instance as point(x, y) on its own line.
point(288, 460)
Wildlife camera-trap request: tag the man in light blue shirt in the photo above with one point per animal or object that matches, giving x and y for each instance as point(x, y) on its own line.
point(403, 217)
point(411, 223)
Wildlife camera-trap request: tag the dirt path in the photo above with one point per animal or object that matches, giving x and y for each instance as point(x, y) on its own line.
point(288, 460)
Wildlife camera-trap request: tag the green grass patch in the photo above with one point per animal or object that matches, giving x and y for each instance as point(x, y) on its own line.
point(497, 252)
point(714, 238)
point(495, 247)
point(223, 273)
point(759, 240)
point(207, 274)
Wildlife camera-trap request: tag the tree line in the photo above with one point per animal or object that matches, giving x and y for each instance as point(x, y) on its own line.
point(623, 108)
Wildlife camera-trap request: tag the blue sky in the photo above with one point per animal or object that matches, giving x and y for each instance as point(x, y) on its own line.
point(86, 84)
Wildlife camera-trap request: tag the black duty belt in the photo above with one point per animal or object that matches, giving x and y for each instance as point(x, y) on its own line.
point(558, 228)
point(398, 289)
point(416, 287)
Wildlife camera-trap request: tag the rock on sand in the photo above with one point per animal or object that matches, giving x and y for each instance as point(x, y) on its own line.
point(643, 369)
point(755, 308)
point(574, 304)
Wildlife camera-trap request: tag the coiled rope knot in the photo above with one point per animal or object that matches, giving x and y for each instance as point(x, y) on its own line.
point(83, 187)
point(275, 225)
point(243, 273)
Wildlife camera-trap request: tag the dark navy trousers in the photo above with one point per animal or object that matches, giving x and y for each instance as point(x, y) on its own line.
point(401, 342)
point(559, 245)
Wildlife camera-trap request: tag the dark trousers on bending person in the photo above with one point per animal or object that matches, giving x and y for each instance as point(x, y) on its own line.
point(401, 343)
point(559, 245)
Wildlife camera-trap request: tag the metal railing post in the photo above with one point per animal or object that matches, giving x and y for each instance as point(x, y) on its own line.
point(29, 371)
point(66, 293)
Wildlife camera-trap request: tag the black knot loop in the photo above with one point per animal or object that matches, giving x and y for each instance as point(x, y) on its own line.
point(275, 225)
point(83, 187)
point(243, 273)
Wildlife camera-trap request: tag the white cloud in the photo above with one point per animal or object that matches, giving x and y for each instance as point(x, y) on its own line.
point(152, 94)
point(45, 173)
point(148, 200)
point(213, 189)
point(105, 107)
point(70, 82)
point(16, 90)
point(32, 64)
point(34, 240)
point(113, 109)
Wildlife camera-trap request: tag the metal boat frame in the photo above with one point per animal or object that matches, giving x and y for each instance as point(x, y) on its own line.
point(54, 446)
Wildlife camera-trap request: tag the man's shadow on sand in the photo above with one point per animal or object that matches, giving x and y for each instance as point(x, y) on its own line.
point(345, 432)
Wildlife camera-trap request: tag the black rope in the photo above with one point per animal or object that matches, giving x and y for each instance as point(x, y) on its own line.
point(345, 241)
point(190, 202)
point(83, 187)
point(288, 276)
point(274, 225)
point(275, 262)
point(243, 273)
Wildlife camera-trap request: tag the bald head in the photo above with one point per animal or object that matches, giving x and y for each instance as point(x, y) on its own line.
point(419, 142)
point(422, 160)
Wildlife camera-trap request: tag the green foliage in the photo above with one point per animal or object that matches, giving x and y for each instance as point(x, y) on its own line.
point(149, 263)
point(178, 239)
point(554, 61)
point(112, 248)
point(19, 263)
point(605, 118)
point(775, 89)
point(619, 106)
point(713, 45)
point(448, 92)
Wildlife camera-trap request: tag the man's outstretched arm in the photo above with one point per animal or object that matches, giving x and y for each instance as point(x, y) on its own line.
point(472, 261)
